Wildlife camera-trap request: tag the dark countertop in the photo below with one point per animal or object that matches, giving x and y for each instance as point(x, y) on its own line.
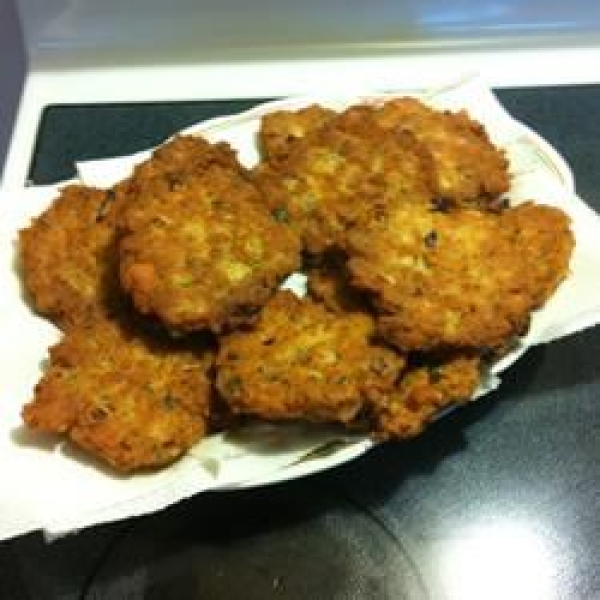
point(500, 499)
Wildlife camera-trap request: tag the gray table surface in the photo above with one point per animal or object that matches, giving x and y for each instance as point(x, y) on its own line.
point(502, 494)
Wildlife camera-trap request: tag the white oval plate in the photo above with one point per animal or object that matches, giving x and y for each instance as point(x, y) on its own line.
point(269, 453)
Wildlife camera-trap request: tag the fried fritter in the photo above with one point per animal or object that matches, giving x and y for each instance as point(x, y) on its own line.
point(423, 392)
point(67, 255)
point(172, 162)
point(205, 254)
point(134, 400)
point(280, 129)
point(469, 168)
point(545, 235)
point(301, 362)
point(334, 179)
point(464, 279)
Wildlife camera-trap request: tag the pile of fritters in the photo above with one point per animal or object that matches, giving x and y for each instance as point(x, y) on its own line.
point(167, 286)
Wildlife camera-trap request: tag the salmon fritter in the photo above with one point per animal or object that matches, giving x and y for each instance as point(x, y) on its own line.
point(462, 279)
point(469, 169)
point(206, 254)
point(173, 162)
point(299, 361)
point(67, 255)
point(424, 391)
point(334, 179)
point(279, 130)
point(132, 399)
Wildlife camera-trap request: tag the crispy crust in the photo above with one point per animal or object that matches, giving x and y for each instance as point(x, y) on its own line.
point(465, 279)
point(470, 169)
point(334, 179)
point(67, 256)
point(172, 163)
point(206, 254)
point(132, 399)
point(423, 392)
point(301, 362)
point(279, 130)
point(545, 235)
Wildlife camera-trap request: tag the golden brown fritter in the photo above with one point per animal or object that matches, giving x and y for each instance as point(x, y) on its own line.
point(334, 179)
point(301, 362)
point(280, 129)
point(134, 400)
point(205, 254)
point(174, 161)
point(423, 392)
point(464, 279)
point(469, 168)
point(67, 255)
point(544, 233)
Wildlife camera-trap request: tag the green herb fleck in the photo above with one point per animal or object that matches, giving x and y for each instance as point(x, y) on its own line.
point(281, 215)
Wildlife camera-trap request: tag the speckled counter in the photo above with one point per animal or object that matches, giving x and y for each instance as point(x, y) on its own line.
point(500, 499)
